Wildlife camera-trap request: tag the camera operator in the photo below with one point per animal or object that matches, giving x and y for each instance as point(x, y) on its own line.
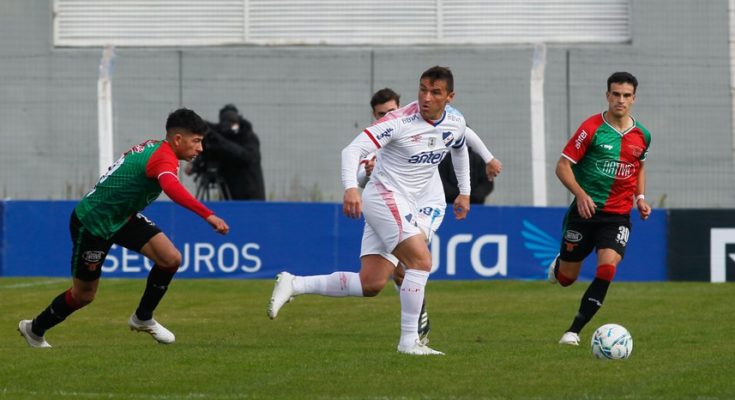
point(230, 160)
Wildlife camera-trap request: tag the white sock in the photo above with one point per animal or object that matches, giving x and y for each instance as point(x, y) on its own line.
point(336, 284)
point(412, 296)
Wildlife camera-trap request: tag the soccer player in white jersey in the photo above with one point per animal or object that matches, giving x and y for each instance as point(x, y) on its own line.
point(412, 141)
point(431, 204)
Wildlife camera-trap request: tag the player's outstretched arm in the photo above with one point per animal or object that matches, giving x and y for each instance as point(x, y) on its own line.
point(178, 193)
point(493, 166)
point(218, 224)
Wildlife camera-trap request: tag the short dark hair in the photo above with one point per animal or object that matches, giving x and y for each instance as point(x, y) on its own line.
point(622, 77)
point(437, 73)
point(229, 114)
point(383, 96)
point(186, 119)
point(229, 107)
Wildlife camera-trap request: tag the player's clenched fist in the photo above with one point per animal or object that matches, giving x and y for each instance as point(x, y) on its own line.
point(352, 205)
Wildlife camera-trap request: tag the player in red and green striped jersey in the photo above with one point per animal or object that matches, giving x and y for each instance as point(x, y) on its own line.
point(110, 214)
point(603, 166)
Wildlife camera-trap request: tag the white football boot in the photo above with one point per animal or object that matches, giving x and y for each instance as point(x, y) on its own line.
point(33, 340)
point(419, 348)
point(569, 338)
point(550, 273)
point(158, 331)
point(282, 293)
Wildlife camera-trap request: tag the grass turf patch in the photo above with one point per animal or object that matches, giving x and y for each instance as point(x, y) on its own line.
point(500, 338)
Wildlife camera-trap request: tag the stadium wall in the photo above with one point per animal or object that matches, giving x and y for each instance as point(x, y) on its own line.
point(307, 103)
point(495, 242)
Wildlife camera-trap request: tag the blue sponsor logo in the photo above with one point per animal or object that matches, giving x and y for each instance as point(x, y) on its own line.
point(427, 157)
point(386, 133)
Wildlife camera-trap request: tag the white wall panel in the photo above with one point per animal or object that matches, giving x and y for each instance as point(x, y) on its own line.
point(148, 23)
point(338, 22)
point(508, 21)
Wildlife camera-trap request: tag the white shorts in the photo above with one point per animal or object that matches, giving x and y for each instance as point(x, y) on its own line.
point(391, 219)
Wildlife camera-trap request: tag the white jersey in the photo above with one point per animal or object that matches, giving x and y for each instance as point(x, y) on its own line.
point(411, 148)
point(433, 196)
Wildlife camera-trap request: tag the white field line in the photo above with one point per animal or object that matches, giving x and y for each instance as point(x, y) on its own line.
point(34, 283)
point(99, 395)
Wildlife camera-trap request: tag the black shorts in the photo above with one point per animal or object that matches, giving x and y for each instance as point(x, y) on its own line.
point(89, 251)
point(602, 231)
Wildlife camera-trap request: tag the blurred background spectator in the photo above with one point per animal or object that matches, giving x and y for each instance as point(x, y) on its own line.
point(230, 162)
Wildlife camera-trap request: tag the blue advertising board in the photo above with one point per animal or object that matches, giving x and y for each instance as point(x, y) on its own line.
point(315, 238)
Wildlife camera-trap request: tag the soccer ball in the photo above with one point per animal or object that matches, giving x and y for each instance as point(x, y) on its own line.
point(612, 341)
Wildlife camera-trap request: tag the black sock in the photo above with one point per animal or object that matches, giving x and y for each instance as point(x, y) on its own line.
point(53, 315)
point(591, 302)
point(156, 286)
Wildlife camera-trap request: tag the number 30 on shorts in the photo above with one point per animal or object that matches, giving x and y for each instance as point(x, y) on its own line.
point(623, 233)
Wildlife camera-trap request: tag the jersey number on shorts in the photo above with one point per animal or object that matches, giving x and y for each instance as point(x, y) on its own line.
point(623, 233)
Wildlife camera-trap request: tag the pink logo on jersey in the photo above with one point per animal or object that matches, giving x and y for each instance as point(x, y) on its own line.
point(635, 150)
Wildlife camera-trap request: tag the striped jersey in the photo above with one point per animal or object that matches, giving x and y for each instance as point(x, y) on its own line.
point(606, 162)
point(128, 186)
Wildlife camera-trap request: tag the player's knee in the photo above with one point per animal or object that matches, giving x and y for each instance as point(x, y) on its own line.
point(170, 262)
point(372, 288)
point(422, 263)
point(568, 272)
point(565, 280)
point(85, 301)
point(79, 299)
point(605, 272)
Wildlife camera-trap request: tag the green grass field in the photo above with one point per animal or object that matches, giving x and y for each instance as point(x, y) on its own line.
point(500, 339)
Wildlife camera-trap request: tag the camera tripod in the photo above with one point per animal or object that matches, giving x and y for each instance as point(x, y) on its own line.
point(211, 186)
